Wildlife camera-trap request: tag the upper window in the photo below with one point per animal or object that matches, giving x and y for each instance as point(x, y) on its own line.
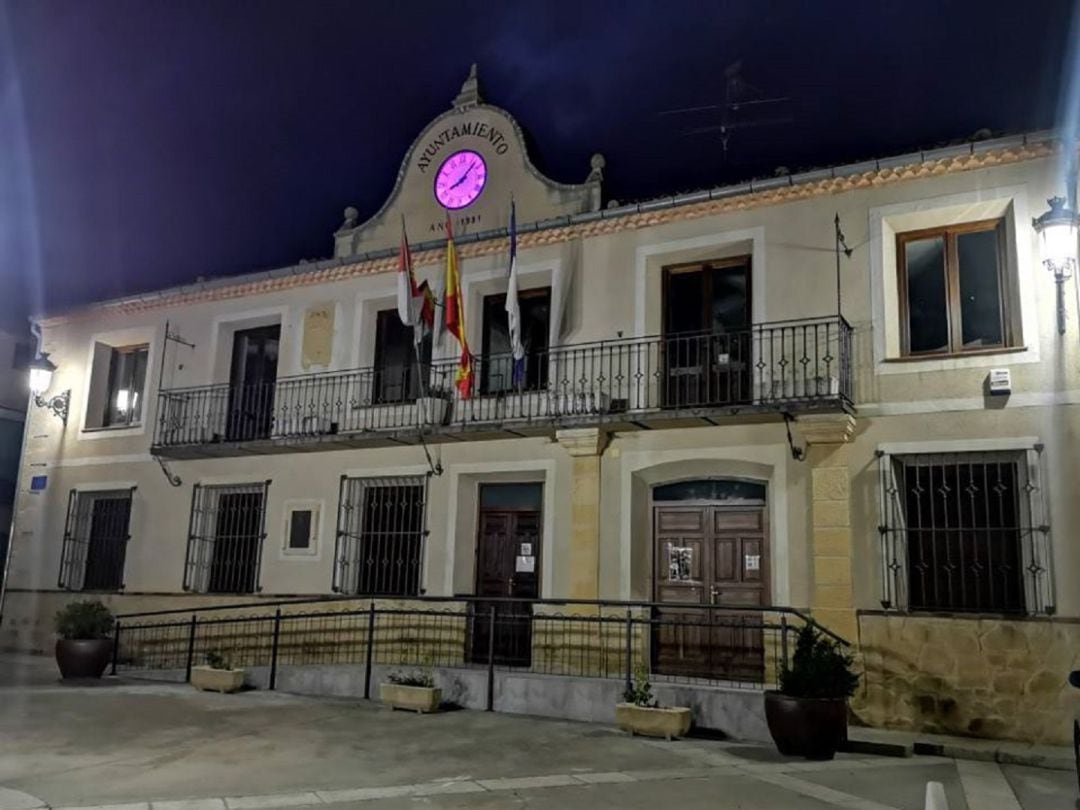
point(400, 366)
point(117, 382)
point(127, 375)
point(498, 371)
point(953, 294)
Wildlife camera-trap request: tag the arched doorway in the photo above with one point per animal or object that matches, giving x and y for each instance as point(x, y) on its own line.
point(710, 549)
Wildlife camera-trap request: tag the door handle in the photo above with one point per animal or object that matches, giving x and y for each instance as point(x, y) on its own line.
point(713, 591)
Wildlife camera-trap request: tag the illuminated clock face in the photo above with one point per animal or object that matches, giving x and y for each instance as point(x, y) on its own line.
point(461, 179)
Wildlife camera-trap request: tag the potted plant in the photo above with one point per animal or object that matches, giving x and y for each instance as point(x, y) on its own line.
point(411, 691)
point(807, 716)
point(641, 714)
point(85, 644)
point(218, 675)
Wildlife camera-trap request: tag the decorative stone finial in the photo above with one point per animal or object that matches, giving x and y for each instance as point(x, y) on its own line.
point(470, 91)
point(351, 216)
point(597, 163)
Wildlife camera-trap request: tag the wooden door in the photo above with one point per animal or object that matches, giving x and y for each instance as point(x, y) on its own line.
point(709, 555)
point(504, 569)
point(708, 349)
point(252, 379)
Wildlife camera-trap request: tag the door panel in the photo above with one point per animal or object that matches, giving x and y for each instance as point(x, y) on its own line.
point(686, 520)
point(252, 380)
point(726, 520)
point(725, 566)
point(502, 571)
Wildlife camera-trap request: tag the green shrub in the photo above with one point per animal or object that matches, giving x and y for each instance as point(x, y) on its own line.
point(84, 620)
point(217, 660)
point(417, 677)
point(640, 691)
point(819, 669)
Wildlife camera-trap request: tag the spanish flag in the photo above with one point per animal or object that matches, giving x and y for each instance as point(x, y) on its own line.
point(455, 317)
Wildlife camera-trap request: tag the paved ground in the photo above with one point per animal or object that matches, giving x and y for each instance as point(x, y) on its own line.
point(125, 742)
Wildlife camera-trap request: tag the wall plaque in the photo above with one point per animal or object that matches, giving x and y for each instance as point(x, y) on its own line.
point(318, 335)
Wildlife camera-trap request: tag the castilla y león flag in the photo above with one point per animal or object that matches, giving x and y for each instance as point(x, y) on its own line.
point(415, 303)
point(455, 317)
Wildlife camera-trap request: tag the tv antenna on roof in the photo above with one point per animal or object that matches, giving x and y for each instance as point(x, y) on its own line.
point(736, 111)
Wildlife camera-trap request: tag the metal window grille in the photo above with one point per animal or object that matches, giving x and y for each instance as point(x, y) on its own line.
point(965, 532)
point(380, 536)
point(225, 538)
point(96, 534)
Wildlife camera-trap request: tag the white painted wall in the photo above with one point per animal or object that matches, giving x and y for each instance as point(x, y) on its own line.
point(611, 286)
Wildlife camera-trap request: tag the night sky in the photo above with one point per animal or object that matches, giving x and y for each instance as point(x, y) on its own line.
point(145, 143)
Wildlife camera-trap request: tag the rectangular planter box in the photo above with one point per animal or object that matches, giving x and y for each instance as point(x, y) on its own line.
point(667, 723)
point(420, 699)
point(217, 680)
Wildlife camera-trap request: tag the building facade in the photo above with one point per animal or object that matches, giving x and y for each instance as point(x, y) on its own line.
point(16, 351)
point(719, 406)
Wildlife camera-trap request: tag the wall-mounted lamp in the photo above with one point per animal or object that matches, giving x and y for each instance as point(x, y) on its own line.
point(1059, 248)
point(41, 374)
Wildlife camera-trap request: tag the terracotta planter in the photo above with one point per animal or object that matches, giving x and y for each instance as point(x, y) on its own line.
point(83, 657)
point(208, 679)
point(808, 727)
point(422, 699)
point(667, 723)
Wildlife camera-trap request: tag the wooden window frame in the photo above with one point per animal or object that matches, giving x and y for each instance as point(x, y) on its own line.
point(110, 393)
point(707, 296)
point(497, 302)
point(379, 394)
point(954, 317)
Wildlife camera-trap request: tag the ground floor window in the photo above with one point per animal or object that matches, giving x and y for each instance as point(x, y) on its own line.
point(228, 527)
point(965, 532)
point(96, 534)
point(380, 536)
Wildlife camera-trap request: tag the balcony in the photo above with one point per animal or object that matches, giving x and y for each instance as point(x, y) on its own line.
point(626, 384)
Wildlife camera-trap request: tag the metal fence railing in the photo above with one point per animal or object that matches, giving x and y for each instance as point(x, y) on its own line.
point(697, 644)
point(780, 365)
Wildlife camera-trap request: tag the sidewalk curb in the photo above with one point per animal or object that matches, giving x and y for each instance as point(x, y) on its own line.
point(17, 800)
point(886, 743)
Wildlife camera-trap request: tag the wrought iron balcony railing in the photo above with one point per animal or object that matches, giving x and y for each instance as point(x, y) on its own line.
point(776, 366)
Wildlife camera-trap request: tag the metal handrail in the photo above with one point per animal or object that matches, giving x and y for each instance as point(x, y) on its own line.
point(485, 600)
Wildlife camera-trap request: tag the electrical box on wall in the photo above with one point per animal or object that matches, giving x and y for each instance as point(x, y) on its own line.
point(1000, 382)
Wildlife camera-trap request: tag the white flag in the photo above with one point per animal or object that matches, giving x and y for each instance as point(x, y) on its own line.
point(513, 309)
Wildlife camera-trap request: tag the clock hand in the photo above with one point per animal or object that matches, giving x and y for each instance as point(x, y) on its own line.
point(463, 177)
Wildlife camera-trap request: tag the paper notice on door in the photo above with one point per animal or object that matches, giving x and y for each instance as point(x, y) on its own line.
point(525, 565)
point(526, 550)
point(753, 562)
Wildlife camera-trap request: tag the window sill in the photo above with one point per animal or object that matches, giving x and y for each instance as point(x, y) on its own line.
point(114, 428)
point(959, 615)
point(916, 358)
point(981, 358)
